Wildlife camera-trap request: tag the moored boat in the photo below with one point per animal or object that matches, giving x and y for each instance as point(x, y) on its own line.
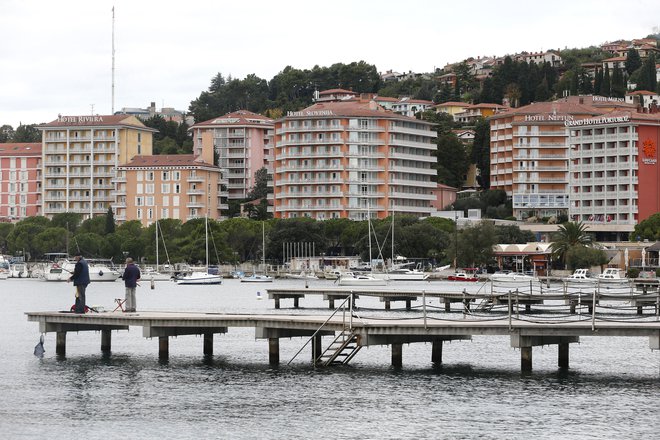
point(352, 279)
point(462, 276)
point(257, 278)
point(612, 275)
point(580, 276)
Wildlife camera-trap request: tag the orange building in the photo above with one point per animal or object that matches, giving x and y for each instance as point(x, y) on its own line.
point(529, 155)
point(20, 181)
point(243, 143)
point(351, 158)
point(177, 186)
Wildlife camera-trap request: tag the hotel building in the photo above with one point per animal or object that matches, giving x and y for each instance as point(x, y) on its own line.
point(529, 155)
point(80, 155)
point(243, 142)
point(615, 178)
point(177, 186)
point(350, 159)
point(20, 181)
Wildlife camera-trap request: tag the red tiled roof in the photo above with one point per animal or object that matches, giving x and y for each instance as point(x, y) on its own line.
point(488, 105)
point(21, 149)
point(335, 91)
point(95, 121)
point(453, 104)
point(417, 101)
point(168, 160)
point(559, 107)
point(240, 117)
point(385, 98)
point(358, 108)
point(641, 92)
point(615, 59)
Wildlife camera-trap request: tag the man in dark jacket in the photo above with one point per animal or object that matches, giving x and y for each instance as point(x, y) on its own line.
point(131, 277)
point(80, 278)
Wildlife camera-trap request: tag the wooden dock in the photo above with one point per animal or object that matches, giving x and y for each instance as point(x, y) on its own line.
point(348, 332)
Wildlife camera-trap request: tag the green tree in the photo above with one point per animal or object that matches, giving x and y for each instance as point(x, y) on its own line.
point(633, 61)
point(578, 257)
point(452, 163)
point(70, 221)
point(5, 231)
point(27, 133)
point(568, 236)
point(474, 245)
point(109, 221)
point(606, 85)
point(647, 229)
point(481, 152)
point(95, 225)
point(51, 239)
point(6, 133)
point(260, 189)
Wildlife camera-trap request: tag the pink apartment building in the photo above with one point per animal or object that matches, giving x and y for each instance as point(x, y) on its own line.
point(243, 142)
point(20, 181)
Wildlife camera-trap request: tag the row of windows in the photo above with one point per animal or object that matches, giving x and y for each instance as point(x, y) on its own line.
point(164, 176)
point(149, 201)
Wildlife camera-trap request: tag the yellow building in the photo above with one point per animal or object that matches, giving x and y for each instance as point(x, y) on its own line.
point(177, 186)
point(80, 156)
point(451, 107)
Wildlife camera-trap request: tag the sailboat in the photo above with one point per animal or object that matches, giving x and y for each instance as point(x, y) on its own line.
point(198, 277)
point(399, 270)
point(153, 274)
point(352, 279)
point(260, 278)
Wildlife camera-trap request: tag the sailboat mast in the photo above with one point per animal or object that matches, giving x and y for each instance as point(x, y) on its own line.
point(369, 227)
point(263, 246)
point(206, 234)
point(157, 246)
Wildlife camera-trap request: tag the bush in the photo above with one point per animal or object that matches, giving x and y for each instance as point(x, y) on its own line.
point(633, 272)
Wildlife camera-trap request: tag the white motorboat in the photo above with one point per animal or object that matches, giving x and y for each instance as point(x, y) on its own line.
point(612, 275)
point(18, 270)
point(580, 276)
point(100, 271)
point(352, 279)
point(511, 277)
point(256, 278)
point(151, 274)
point(402, 275)
point(56, 272)
point(199, 277)
point(301, 276)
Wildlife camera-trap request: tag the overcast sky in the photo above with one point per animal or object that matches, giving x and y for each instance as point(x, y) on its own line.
point(56, 56)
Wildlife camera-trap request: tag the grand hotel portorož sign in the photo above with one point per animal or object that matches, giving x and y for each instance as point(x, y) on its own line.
point(597, 121)
point(79, 119)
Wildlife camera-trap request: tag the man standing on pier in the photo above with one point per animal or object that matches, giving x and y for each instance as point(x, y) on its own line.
point(80, 278)
point(131, 277)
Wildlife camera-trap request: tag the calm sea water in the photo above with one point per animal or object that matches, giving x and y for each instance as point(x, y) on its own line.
point(612, 389)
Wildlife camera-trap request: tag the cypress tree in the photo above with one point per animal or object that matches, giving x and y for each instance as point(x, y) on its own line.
point(606, 86)
point(574, 82)
point(633, 61)
point(598, 81)
point(653, 83)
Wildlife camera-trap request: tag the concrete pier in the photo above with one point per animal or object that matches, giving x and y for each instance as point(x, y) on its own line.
point(523, 334)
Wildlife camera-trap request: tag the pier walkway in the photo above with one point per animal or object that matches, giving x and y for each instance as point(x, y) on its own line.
point(349, 332)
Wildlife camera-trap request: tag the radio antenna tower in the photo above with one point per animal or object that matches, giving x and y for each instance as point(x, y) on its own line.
point(112, 112)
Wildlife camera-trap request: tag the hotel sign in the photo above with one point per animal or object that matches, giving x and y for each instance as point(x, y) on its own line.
point(598, 121)
point(311, 113)
point(606, 99)
point(550, 117)
point(79, 119)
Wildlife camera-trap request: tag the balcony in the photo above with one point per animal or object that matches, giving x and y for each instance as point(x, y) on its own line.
point(372, 128)
point(194, 178)
point(416, 157)
point(413, 170)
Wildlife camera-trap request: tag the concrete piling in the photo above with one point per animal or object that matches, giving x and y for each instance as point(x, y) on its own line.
point(397, 355)
point(436, 352)
point(60, 343)
point(208, 344)
point(106, 339)
point(163, 347)
point(273, 351)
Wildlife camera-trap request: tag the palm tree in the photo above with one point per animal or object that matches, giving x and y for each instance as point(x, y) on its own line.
point(569, 235)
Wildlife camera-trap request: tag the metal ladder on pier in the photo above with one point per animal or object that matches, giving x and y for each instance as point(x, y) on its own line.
point(486, 305)
point(344, 347)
